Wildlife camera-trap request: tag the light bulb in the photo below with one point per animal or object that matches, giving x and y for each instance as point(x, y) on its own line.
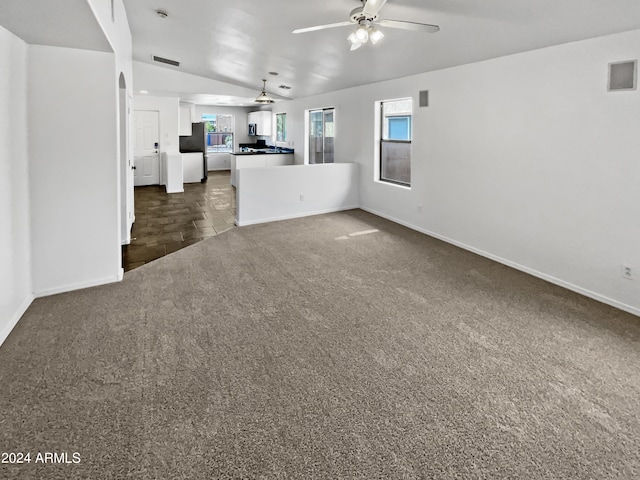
point(355, 42)
point(361, 34)
point(375, 35)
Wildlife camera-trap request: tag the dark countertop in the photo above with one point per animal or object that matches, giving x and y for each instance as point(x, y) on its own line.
point(266, 152)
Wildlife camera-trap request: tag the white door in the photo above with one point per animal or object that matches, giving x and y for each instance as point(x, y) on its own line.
point(146, 147)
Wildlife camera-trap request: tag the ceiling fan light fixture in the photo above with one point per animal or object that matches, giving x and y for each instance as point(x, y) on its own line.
point(375, 35)
point(263, 97)
point(362, 34)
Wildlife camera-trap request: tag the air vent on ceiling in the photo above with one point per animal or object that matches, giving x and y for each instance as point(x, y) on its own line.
point(285, 87)
point(166, 60)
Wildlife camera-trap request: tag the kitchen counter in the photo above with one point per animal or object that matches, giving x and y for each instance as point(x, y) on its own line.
point(265, 151)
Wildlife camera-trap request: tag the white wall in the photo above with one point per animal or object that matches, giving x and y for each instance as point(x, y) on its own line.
point(163, 80)
point(15, 253)
point(526, 159)
point(115, 27)
point(59, 165)
point(73, 169)
point(266, 194)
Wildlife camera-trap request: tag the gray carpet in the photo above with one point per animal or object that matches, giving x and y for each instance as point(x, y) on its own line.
point(297, 350)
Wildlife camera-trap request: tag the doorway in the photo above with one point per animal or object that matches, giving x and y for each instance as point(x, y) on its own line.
point(126, 167)
point(145, 150)
point(321, 136)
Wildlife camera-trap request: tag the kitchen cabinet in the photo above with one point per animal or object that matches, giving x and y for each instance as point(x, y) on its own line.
point(192, 170)
point(262, 119)
point(218, 161)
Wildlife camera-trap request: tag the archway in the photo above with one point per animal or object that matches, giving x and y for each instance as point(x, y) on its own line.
point(126, 168)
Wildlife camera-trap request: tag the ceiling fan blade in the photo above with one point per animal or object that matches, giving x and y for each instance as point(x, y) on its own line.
point(372, 7)
point(322, 27)
point(417, 27)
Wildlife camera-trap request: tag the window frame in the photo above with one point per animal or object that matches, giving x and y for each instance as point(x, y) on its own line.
point(284, 127)
point(206, 118)
point(381, 140)
point(307, 153)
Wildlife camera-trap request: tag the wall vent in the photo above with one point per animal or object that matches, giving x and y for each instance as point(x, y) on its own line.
point(622, 75)
point(424, 98)
point(166, 60)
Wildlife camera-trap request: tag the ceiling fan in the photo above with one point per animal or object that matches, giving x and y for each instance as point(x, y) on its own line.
point(365, 17)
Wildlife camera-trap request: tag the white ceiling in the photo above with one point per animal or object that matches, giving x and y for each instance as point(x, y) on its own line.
point(240, 41)
point(63, 23)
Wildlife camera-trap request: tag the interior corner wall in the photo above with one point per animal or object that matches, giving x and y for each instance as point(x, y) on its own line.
point(526, 159)
point(15, 255)
point(73, 171)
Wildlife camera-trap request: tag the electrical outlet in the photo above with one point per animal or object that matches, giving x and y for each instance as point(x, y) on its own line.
point(419, 208)
point(302, 198)
point(627, 272)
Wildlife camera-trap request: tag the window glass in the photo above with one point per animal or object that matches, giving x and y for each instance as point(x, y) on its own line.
point(395, 141)
point(281, 127)
point(321, 135)
point(219, 130)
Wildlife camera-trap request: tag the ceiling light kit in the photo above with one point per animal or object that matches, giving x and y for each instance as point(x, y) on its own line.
point(263, 98)
point(365, 17)
point(364, 33)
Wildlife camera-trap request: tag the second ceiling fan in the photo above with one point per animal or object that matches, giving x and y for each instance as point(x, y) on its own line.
point(366, 17)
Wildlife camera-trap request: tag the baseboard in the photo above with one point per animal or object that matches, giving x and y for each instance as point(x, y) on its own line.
point(296, 215)
point(79, 286)
point(13, 321)
point(549, 278)
point(175, 191)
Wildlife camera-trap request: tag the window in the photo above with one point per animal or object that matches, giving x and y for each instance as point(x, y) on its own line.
point(219, 130)
point(321, 135)
point(395, 141)
point(281, 127)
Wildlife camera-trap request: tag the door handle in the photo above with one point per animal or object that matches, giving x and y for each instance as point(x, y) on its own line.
point(133, 168)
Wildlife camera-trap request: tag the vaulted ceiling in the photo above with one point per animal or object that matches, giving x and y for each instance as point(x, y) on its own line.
point(240, 41)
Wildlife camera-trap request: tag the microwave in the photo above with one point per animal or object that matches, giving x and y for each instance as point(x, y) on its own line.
point(252, 128)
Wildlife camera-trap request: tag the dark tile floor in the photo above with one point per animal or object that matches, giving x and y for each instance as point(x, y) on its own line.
point(166, 222)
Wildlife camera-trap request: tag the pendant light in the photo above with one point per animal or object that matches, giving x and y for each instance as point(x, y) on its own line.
point(263, 97)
